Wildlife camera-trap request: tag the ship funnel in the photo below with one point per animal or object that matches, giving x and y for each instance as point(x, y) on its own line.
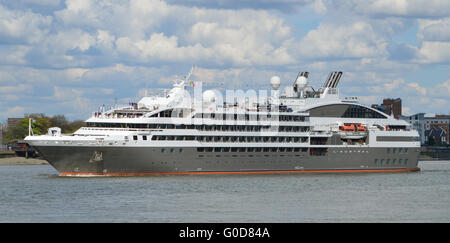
point(332, 80)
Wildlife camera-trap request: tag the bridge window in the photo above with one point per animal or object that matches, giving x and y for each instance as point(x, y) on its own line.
point(346, 110)
point(356, 111)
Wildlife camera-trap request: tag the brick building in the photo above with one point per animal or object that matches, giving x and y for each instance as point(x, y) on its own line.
point(437, 127)
point(12, 122)
point(392, 107)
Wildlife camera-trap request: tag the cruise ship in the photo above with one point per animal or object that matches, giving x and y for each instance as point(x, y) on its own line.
point(296, 130)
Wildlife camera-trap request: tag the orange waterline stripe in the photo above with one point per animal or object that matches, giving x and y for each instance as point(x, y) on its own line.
point(243, 172)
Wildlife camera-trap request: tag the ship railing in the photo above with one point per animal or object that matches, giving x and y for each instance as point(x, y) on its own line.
point(212, 130)
point(128, 114)
point(116, 129)
point(355, 144)
point(354, 133)
point(323, 133)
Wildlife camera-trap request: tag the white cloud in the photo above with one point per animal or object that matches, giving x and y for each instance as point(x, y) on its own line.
point(434, 29)
point(386, 8)
point(134, 19)
point(262, 40)
point(15, 111)
point(399, 87)
point(415, 97)
point(105, 40)
point(434, 35)
point(65, 94)
point(441, 90)
point(434, 52)
point(150, 30)
point(408, 8)
point(107, 46)
point(445, 86)
point(28, 3)
point(288, 6)
point(107, 91)
point(51, 3)
point(354, 40)
point(159, 47)
point(22, 27)
point(13, 54)
point(21, 88)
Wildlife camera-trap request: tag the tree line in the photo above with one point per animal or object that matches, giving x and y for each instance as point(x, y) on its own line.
point(41, 123)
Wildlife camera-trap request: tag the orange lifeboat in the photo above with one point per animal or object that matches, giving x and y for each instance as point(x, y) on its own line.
point(352, 131)
point(361, 128)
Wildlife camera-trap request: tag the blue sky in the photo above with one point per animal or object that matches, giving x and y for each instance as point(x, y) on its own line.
point(72, 56)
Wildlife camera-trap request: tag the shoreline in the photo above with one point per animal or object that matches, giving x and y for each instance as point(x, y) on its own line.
point(22, 161)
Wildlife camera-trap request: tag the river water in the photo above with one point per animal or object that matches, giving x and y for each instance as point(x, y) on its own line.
point(35, 193)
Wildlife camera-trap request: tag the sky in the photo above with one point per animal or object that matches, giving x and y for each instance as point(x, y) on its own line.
point(72, 56)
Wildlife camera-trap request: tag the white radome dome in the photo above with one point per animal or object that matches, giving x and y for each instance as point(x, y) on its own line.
point(301, 82)
point(275, 82)
point(209, 96)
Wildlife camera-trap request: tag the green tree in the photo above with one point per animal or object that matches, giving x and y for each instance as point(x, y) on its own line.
point(75, 125)
point(19, 132)
point(61, 122)
point(41, 123)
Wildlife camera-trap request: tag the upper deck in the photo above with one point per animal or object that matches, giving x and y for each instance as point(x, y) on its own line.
point(299, 105)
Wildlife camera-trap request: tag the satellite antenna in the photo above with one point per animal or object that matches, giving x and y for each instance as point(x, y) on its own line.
point(275, 82)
